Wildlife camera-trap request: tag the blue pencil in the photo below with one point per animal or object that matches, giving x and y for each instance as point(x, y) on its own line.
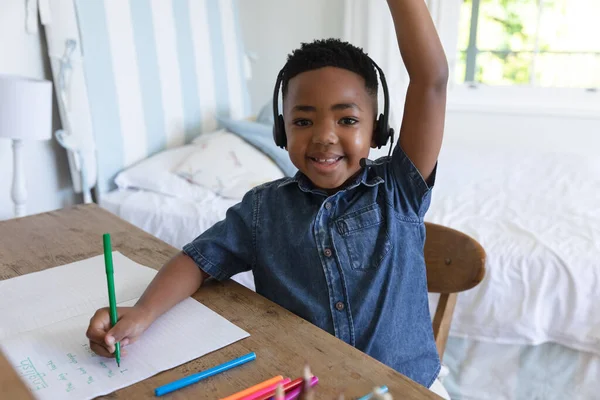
point(190, 380)
point(383, 389)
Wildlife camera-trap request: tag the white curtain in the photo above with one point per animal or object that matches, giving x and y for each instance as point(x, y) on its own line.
point(368, 24)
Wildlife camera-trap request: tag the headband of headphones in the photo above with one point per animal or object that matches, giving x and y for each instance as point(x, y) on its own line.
point(382, 131)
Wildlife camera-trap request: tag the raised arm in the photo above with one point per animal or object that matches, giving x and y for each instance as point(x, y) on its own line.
point(425, 107)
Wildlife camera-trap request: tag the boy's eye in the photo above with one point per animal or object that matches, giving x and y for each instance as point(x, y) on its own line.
point(348, 121)
point(302, 122)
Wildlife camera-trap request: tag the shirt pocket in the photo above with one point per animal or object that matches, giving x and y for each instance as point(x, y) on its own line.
point(365, 237)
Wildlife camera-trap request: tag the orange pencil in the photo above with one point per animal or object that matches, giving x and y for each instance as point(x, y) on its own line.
point(268, 389)
point(286, 388)
point(252, 389)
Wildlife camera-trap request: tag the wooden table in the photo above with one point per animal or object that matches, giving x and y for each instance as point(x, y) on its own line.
point(283, 342)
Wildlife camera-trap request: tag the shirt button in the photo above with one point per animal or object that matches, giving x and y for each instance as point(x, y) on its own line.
point(328, 206)
point(327, 252)
point(339, 305)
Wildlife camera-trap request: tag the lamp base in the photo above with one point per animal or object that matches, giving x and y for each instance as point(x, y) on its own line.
point(19, 189)
point(20, 210)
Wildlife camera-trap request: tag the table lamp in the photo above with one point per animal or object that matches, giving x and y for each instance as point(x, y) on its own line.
point(25, 114)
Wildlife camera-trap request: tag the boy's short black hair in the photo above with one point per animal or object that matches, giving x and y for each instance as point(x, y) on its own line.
point(330, 53)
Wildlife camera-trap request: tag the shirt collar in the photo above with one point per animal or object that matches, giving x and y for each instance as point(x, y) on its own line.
point(366, 177)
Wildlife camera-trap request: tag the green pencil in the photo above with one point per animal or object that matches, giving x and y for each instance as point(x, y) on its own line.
point(111, 290)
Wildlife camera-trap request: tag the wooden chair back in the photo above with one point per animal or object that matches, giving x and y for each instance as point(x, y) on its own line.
point(455, 263)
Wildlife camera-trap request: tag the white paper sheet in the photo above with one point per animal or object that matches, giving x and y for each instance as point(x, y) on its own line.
point(36, 300)
point(51, 310)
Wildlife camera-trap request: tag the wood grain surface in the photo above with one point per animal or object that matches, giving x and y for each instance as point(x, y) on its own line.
point(282, 341)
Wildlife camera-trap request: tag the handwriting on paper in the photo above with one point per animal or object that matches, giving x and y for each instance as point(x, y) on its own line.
point(29, 373)
point(41, 378)
point(51, 352)
point(72, 358)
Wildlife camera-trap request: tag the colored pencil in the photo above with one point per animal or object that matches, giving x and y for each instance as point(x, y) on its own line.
point(269, 382)
point(279, 393)
point(191, 379)
point(382, 389)
point(288, 386)
point(293, 394)
point(112, 301)
point(269, 389)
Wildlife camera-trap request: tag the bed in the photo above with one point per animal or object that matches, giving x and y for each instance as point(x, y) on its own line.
point(543, 274)
point(543, 265)
point(144, 92)
point(537, 214)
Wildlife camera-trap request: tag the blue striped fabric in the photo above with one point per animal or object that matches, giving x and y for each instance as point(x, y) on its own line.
point(188, 78)
point(158, 73)
point(240, 50)
point(143, 34)
point(218, 59)
point(104, 110)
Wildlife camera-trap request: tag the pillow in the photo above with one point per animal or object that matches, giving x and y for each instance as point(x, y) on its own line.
point(155, 174)
point(261, 137)
point(265, 115)
point(227, 165)
point(207, 137)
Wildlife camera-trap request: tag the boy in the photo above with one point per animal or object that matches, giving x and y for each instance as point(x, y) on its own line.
point(338, 244)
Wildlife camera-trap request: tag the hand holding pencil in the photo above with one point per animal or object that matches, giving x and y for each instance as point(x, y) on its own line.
point(102, 335)
point(112, 328)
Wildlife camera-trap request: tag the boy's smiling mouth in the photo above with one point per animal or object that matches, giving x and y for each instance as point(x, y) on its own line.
point(325, 162)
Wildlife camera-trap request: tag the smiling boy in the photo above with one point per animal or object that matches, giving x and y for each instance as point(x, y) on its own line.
point(340, 245)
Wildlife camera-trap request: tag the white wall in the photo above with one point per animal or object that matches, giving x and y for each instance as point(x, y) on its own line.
point(274, 28)
point(48, 179)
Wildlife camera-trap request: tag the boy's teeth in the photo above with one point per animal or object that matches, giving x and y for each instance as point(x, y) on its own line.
point(326, 160)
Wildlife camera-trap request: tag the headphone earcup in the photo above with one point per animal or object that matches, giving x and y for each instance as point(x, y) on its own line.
point(381, 132)
point(279, 132)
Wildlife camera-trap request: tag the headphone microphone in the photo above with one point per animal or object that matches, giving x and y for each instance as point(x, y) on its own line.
point(366, 163)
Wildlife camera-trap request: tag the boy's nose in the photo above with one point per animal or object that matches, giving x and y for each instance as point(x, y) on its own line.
point(324, 133)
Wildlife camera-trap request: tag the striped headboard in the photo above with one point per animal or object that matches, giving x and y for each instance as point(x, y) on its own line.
point(145, 75)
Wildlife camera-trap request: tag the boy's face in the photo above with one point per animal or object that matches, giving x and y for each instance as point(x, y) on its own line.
point(329, 119)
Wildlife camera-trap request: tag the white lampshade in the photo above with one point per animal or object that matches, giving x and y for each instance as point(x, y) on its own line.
point(25, 108)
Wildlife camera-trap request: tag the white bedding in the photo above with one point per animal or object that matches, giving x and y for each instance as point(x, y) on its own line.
point(173, 220)
point(537, 215)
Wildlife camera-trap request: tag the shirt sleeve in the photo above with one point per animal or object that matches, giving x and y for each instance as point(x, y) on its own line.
point(227, 248)
point(412, 192)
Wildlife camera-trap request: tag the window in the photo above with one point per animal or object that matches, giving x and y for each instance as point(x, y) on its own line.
point(541, 43)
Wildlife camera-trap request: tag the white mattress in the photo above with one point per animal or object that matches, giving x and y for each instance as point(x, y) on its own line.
point(537, 215)
point(173, 220)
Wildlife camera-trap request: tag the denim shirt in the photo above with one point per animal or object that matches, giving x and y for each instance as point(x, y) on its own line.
point(351, 263)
